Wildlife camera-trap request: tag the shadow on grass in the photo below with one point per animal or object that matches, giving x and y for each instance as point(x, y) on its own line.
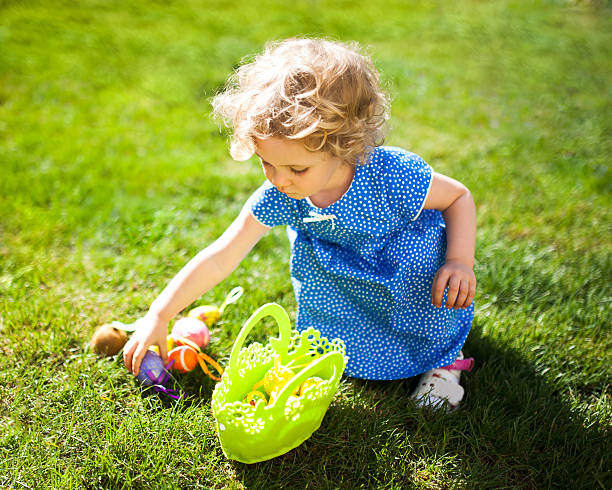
point(513, 430)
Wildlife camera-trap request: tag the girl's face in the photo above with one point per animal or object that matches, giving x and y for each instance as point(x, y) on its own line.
point(300, 173)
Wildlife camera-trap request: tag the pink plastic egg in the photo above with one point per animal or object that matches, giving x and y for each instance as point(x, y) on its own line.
point(192, 329)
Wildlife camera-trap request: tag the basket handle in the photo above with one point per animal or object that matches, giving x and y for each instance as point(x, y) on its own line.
point(280, 344)
point(335, 358)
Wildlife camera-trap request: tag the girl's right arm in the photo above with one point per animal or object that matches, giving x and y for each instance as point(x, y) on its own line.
point(205, 270)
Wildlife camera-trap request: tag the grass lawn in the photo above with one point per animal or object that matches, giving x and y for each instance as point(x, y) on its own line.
point(113, 174)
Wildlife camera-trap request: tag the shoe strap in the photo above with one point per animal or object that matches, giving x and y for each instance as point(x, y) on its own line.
point(461, 365)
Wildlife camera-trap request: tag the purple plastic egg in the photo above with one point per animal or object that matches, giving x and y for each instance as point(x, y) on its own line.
point(152, 370)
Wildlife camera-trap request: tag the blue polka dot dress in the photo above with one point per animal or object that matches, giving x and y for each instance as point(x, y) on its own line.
point(362, 268)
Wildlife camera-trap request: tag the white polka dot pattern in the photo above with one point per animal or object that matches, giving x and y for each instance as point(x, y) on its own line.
point(366, 275)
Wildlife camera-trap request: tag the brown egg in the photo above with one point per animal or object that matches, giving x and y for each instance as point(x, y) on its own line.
point(108, 340)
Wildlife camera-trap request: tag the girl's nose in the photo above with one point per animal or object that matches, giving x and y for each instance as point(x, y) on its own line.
point(279, 179)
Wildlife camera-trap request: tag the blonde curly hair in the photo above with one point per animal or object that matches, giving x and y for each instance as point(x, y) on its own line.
point(323, 93)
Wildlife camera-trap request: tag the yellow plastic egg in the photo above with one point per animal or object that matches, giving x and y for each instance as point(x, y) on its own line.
point(209, 314)
point(308, 383)
point(252, 397)
point(169, 346)
point(276, 378)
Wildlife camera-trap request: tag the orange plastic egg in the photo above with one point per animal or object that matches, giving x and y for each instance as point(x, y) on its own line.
point(185, 358)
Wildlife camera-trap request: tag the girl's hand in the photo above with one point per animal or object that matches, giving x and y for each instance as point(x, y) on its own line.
point(150, 330)
point(461, 282)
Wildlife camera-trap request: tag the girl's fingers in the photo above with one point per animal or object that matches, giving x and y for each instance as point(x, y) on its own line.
point(461, 288)
point(128, 352)
point(453, 290)
point(464, 290)
point(471, 293)
point(438, 287)
point(137, 359)
point(163, 350)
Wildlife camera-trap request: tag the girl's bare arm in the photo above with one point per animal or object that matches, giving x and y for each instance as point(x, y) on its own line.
point(457, 206)
point(204, 271)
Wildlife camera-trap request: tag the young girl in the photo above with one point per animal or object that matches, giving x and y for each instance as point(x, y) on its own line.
point(382, 247)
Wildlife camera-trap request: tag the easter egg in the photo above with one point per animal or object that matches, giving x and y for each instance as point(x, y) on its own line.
point(291, 400)
point(314, 381)
point(108, 340)
point(209, 314)
point(185, 358)
point(252, 397)
point(275, 379)
point(169, 346)
point(192, 329)
point(152, 369)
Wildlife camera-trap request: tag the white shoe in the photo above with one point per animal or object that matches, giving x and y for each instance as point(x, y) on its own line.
point(440, 388)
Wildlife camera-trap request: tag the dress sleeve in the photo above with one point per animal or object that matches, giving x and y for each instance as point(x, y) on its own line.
point(270, 206)
point(408, 180)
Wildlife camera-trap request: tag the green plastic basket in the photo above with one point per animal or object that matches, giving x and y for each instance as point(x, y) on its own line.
point(250, 434)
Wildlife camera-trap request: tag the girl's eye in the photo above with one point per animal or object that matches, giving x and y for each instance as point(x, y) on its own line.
point(295, 171)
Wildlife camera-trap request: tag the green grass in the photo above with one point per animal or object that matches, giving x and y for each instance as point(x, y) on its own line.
point(113, 174)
